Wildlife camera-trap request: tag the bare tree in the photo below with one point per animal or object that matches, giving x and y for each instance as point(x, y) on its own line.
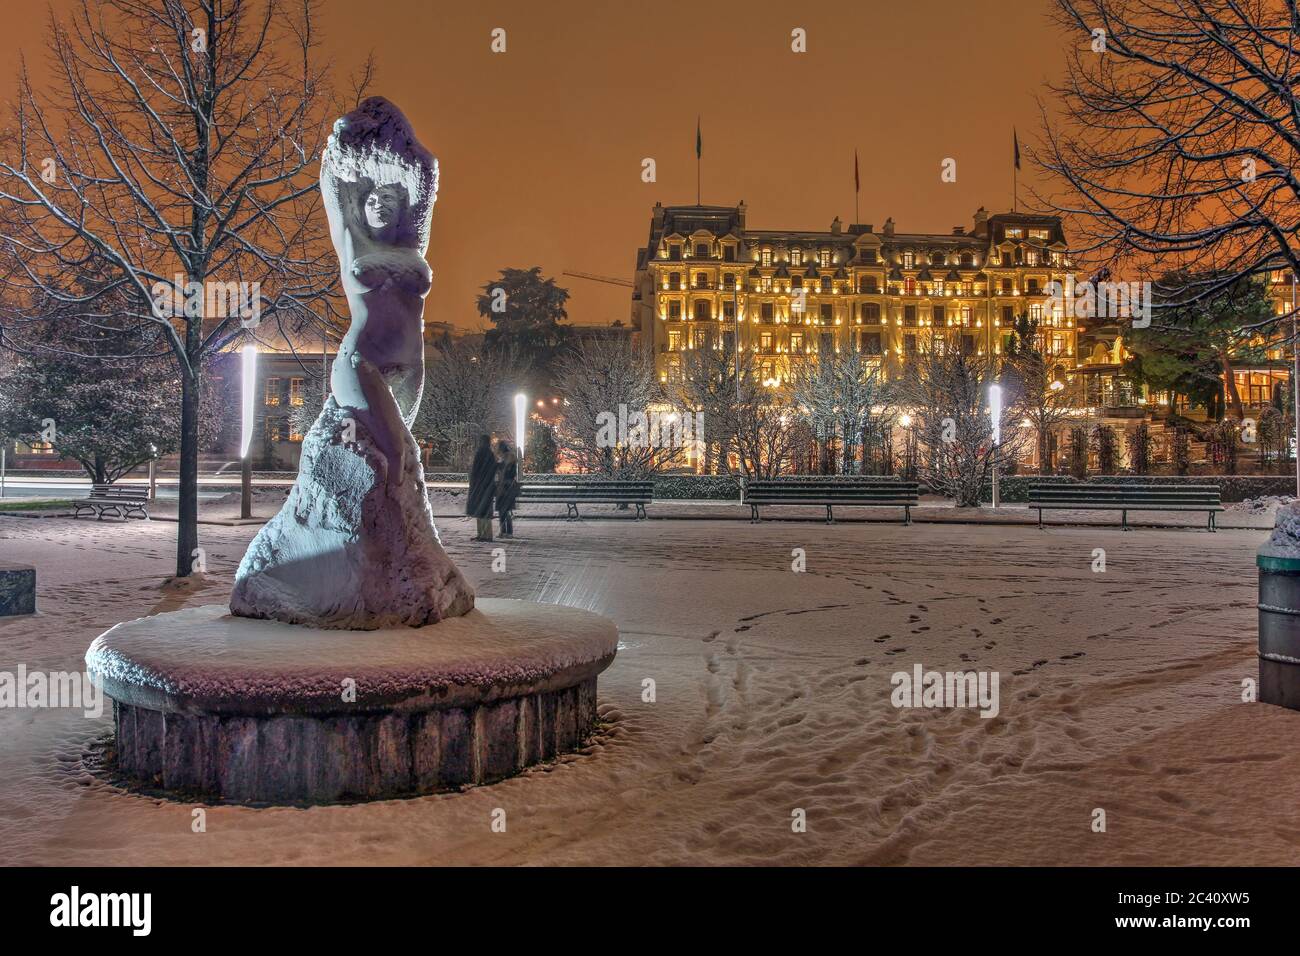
point(843, 394)
point(946, 394)
point(468, 391)
point(765, 426)
point(1178, 134)
point(1036, 393)
point(174, 154)
point(707, 386)
point(606, 380)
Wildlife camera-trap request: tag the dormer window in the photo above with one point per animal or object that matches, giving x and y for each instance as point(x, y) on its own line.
point(1015, 232)
point(824, 258)
point(909, 260)
point(868, 256)
point(767, 258)
point(674, 252)
point(701, 250)
point(936, 258)
point(796, 256)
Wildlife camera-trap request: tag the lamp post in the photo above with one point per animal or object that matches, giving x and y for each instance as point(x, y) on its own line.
point(246, 431)
point(153, 478)
point(521, 402)
point(995, 410)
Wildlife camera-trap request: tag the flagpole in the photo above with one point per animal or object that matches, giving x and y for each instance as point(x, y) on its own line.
point(857, 187)
point(699, 154)
point(1015, 170)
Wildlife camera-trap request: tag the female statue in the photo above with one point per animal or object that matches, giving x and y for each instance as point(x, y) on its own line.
point(354, 545)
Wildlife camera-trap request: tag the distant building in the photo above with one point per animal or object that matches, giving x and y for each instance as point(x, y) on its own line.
point(705, 278)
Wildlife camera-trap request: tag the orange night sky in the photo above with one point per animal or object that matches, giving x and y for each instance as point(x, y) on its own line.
point(541, 147)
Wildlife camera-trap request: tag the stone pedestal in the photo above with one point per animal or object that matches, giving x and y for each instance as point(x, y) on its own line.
point(210, 704)
point(17, 589)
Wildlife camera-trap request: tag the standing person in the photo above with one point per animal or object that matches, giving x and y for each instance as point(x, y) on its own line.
point(507, 486)
point(482, 486)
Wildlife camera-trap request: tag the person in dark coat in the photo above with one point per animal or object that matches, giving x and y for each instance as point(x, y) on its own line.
point(482, 488)
point(507, 486)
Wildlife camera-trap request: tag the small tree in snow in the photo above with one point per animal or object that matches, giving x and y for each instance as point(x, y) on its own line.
point(946, 393)
point(603, 380)
point(841, 394)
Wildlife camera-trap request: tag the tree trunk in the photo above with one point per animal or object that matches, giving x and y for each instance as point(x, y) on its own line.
point(1234, 396)
point(1044, 452)
point(187, 523)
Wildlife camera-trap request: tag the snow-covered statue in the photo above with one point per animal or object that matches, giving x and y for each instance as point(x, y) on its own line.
point(355, 545)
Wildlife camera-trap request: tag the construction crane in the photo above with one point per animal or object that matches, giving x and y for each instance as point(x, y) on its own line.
point(627, 283)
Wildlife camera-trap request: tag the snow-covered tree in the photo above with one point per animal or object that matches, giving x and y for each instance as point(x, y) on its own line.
point(468, 391)
point(707, 386)
point(1035, 391)
point(596, 378)
point(765, 426)
point(841, 394)
point(946, 393)
point(174, 154)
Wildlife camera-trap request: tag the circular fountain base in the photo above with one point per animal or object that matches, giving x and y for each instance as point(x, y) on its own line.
point(261, 711)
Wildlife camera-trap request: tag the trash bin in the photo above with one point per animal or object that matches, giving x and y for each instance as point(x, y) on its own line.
point(1278, 560)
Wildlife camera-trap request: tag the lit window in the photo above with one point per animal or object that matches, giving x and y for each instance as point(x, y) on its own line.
point(273, 393)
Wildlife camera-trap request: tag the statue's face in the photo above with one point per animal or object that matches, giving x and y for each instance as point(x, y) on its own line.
point(384, 206)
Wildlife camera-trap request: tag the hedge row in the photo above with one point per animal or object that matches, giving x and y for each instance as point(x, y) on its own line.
point(1015, 488)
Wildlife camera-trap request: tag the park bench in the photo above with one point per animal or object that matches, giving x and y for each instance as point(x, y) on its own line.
point(870, 492)
point(638, 493)
point(1126, 498)
point(119, 499)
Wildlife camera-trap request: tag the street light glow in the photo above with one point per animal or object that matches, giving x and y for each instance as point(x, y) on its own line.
point(521, 402)
point(995, 410)
point(249, 392)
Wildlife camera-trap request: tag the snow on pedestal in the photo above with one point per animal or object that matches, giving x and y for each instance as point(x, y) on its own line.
point(248, 710)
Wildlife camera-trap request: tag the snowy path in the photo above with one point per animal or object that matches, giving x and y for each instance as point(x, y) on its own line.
point(1119, 690)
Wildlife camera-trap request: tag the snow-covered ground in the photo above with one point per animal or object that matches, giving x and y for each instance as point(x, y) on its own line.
point(1119, 690)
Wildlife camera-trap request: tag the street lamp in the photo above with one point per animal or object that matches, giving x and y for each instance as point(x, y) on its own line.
point(995, 410)
point(246, 431)
point(521, 402)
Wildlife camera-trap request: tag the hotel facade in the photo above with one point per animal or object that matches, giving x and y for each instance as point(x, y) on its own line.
point(706, 280)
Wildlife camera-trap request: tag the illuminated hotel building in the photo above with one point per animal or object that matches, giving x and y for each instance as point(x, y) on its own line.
point(705, 278)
